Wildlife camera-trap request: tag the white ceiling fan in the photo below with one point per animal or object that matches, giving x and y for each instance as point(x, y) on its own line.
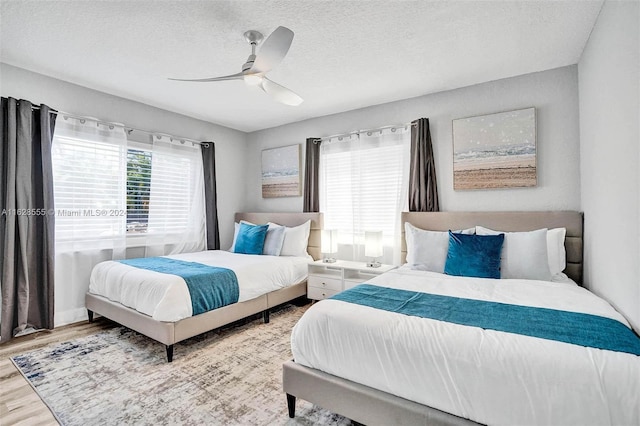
point(272, 51)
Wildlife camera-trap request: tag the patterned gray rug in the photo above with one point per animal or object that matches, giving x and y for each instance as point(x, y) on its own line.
point(231, 376)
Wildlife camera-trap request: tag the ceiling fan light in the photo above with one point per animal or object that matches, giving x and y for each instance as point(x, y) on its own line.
point(253, 79)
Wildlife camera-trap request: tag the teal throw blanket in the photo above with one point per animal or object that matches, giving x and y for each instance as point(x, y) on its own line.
point(210, 287)
point(563, 326)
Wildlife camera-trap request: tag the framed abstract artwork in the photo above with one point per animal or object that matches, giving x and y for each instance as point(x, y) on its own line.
point(495, 150)
point(281, 172)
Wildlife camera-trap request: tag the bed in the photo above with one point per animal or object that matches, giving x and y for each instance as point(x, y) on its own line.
point(378, 367)
point(171, 328)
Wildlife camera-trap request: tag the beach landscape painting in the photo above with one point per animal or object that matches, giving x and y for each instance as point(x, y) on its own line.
point(495, 150)
point(281, 172)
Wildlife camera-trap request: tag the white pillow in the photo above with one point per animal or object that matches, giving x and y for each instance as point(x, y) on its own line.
point(556, 251)
point(524, 254)
point(468, 231)
point(561, 277)
point(272, 242)
point(427, 250)
point(236, 227)
point(296, 240)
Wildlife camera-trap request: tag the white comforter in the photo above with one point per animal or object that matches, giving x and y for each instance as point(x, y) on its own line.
point(484, 375)
point(166, 297)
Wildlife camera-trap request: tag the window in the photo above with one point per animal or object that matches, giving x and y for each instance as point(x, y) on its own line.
point(363, 186)
point(138, 189)
point(89, 181)
point(176, 203)
point(108, 188)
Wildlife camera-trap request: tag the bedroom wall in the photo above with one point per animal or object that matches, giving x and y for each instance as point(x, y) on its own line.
point(554, 93)
point(230, 146)
point(609, 75)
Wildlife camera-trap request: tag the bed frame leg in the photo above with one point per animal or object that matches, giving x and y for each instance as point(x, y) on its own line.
point(90, 315)
point(169, 353)
point(265, 316)
point(291, 405)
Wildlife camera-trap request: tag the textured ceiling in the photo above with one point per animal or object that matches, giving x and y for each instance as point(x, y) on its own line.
point(345, 54)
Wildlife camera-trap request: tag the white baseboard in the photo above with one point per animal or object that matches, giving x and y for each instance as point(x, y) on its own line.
point(69, 317)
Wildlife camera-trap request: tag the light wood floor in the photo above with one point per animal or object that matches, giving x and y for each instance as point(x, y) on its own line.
point(19, 403)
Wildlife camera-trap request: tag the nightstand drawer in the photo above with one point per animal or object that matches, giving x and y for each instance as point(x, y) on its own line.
point(325, 283)
point(317, 293)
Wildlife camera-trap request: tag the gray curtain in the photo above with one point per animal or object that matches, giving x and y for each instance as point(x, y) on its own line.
point(311, 200)
point(210, 194)
point(423, 186)
point(27, 219)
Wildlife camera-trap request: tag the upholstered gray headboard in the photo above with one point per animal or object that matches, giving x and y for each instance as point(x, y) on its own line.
point(291, 219)
point(508, 222)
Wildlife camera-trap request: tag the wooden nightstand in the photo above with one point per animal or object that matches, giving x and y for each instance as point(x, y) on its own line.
point(327, 279)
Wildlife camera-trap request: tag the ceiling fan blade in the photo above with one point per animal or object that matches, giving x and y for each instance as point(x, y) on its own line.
point(280, 93)
point(273, 50)
point(238, 76)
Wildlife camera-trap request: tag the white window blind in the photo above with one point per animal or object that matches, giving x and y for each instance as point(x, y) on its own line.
point(177, 190)
point(363, 186)
point(89, 180)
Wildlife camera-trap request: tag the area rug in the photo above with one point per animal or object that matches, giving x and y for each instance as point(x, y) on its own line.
point(231, 376)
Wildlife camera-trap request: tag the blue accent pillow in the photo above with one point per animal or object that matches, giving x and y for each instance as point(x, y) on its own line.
point(250, 239)
point(474, 255)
